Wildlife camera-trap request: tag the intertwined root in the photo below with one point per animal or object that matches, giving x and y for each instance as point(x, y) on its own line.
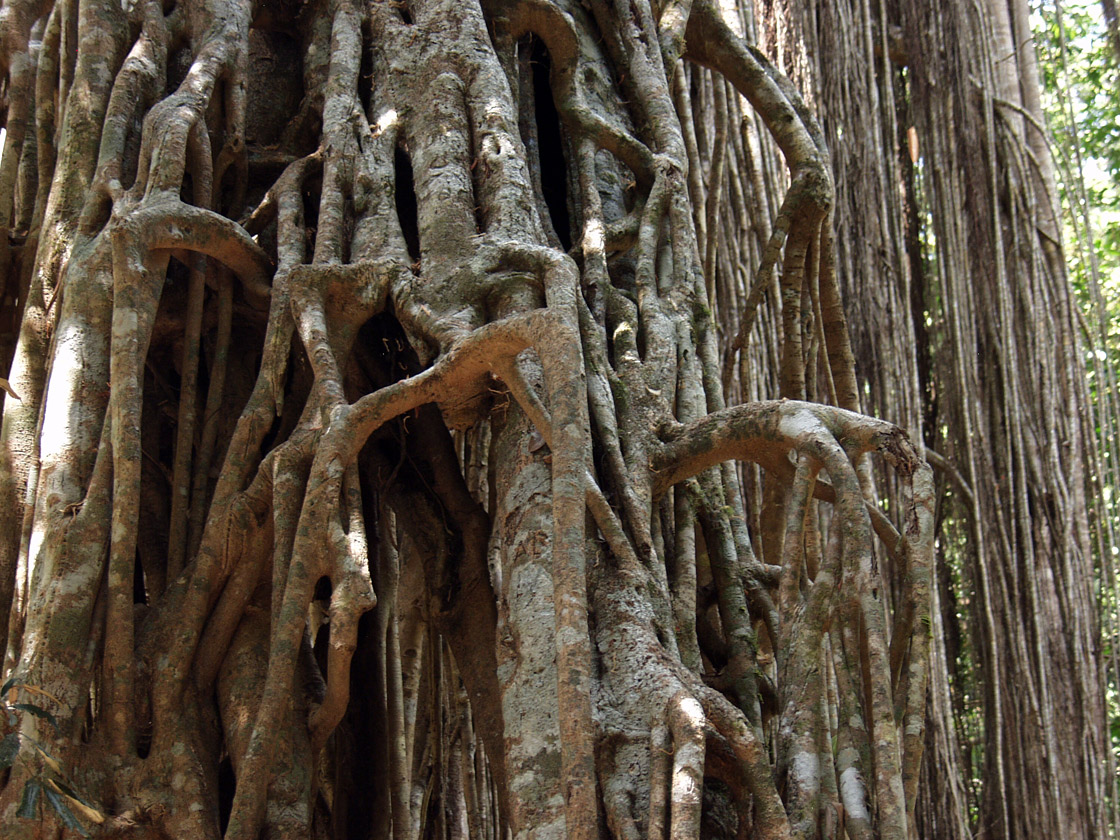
point(651, 689)
point(838, 588)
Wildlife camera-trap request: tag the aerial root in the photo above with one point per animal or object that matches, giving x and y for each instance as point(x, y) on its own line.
point(892, 677)
point(167, 224)
point(801, 240)
point(329, 304)
point(695, 720)
point(330, 515)
point(660, 773)
point(352, 597)
point(142, 239)
point(677, 748)
point(827, 439)
point(558, 32)
point(605, 517)
point(168, 124)
point(686, 722)
point(759, 433)
point(495, 348)
point(771, 821)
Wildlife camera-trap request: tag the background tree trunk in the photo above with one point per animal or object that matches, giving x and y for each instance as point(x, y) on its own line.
point(964, 326)
point(396, 447)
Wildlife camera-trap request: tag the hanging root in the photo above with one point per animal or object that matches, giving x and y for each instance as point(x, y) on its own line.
point(684, 629)
point(811, 597)
point(801, 236)
point(816, 434)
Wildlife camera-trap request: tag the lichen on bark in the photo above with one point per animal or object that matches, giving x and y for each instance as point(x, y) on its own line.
point(377, 458)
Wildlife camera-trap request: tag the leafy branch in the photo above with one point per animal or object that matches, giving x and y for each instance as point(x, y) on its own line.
point(46, 779)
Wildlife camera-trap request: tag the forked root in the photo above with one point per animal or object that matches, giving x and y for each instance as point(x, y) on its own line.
point(485, 299)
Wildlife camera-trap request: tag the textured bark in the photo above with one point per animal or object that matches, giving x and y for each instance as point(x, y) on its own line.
point(966, 334)
point(373, 472)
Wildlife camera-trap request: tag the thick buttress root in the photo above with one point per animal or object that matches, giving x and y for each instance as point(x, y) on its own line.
point(527, 451)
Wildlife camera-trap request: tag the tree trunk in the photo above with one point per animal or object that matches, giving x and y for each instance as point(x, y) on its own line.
point(369, 469)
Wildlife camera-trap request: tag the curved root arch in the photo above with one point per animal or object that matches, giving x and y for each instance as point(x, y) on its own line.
point(529, 671)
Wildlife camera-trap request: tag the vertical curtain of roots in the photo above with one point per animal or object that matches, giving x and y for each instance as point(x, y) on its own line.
point(1022, 435)
point(964, 332)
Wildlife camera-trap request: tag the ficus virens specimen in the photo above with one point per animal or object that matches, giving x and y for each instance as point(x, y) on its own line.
point(371, 472)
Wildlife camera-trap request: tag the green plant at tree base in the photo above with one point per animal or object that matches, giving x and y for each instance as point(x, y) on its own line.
point(46, 778)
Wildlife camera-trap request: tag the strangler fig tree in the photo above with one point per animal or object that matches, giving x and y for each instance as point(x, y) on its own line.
point(366, 468)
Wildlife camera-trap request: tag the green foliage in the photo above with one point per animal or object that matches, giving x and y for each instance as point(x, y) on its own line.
point(29, 802)
point(46, 779)
point(1081, 96)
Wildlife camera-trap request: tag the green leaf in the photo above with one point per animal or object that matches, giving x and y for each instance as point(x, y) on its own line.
point(29, 801)
point(12, 681)
point(32, 709)
point(64, 813)
point(9, 749)
point(34, 689)
point(51, 761)
point(79, 802)
point(69, 791)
